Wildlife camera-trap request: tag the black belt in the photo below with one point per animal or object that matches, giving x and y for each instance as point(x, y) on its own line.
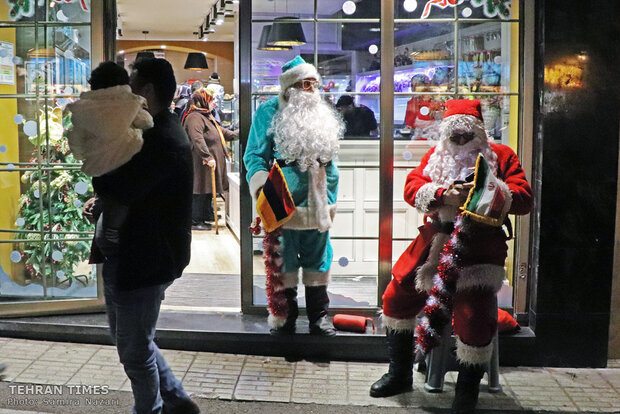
point(283, 163)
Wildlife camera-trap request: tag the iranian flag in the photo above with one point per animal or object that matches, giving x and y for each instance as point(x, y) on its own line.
point(486, 199)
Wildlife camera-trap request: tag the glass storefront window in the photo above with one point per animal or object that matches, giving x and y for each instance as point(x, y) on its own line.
point(44, 239)
point(442, 50)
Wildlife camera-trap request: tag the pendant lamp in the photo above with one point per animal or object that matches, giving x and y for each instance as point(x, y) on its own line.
point(145, 54)
point(195, 61)
point(263, 42)
point(286, 34)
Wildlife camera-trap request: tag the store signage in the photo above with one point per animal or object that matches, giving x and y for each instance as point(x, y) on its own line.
point(7, 67)
point(492, 8)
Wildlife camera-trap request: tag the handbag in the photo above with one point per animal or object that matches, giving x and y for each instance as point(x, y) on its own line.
point(352, 323)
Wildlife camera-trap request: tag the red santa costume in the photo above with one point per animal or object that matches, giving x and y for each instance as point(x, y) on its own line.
point(483, 273)
point(480, 268)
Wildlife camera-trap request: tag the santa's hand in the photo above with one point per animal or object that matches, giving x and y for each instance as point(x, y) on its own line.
point(456, 194)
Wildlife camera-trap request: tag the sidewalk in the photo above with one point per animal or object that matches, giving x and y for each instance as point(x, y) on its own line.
point(227, 383)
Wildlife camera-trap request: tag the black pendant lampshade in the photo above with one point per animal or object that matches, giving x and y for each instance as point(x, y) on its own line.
point(196, 61)
point(264, 38)
point(286, 34)
point(145, 55)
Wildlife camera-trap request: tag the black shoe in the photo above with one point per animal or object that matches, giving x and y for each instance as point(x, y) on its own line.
point(283, 330)
point(187, 407)
point(212, 219)
point(399, 377)
point(322, 327)
point(205, 226)
point(467, 389)
point(389, 385)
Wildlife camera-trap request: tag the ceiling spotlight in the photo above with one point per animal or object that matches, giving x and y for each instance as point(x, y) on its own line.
point(219, 21)
point(204, 39)
point(373, 49)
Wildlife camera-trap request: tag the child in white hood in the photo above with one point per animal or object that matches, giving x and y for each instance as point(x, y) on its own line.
point(107, 132)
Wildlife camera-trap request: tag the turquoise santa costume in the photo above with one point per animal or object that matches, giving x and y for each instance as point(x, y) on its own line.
point(304, 240)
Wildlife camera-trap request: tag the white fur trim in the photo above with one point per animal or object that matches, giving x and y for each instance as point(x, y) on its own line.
point(481, 276)
point(256, 182)
point(473, 355)
point(305, 219)
point(426, 272)
point(276, 321)
point(299, 72)
point(398, 325)
point(508, 194)
point(317, 197)
point(425, 196)
point(312, 278)
point(289, 279)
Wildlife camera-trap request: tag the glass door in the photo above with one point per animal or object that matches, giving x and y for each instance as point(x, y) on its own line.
point(46, 55)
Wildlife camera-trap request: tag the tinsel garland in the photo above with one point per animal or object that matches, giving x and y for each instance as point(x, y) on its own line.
point(276, 299)
point(438, 309)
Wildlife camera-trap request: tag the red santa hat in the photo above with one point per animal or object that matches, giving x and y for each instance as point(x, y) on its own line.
point(463, 107)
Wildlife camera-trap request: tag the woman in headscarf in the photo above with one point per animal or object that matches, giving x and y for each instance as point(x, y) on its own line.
point(209, 151)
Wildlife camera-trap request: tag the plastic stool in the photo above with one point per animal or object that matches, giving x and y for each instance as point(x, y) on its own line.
point(441, 359)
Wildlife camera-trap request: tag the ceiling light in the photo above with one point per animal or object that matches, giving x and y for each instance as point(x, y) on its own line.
point(373, 49)
point(375, 29)
point(163, 47)
point(219, 21)
point(410, 5)
point(196, 61)
point(286, 34)
point(348, 7)
point(264, 38)
point(204, 39)
point(121, 52)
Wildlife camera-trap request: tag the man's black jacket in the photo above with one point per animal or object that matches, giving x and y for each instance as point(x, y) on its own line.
point(156, 184)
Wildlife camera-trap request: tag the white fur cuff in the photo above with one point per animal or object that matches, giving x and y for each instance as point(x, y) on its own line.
point(276, 321)
point(426, 272)
point(473, 355)
point(481, 276)
point(305, 219)
point(256, 182)
point(425, 196)
point(398, 325)
point(312, 278)
point(289, 279)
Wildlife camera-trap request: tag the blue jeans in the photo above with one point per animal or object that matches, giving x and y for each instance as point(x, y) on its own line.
point(133, 317)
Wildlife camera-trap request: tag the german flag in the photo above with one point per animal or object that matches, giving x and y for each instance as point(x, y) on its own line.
point(275, 204)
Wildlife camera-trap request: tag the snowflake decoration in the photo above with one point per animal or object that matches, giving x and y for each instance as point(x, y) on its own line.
point(494, 8)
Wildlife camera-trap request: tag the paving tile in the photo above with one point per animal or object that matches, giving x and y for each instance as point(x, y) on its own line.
point(14, 367)
point(25, 349)
point(572, 377)
point(49, 372)
point(112, 376)
point(76, 353)
point(107, 355)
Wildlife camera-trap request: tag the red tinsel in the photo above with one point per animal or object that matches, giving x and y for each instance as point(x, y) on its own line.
point(276, 299)
point(438, 309)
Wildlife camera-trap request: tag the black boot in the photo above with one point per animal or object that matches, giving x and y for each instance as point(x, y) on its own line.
point(317, 303)
point(467, 388)
point(293, 311)
point(399, 377)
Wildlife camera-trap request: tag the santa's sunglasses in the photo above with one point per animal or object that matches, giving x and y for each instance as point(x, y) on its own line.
point(307, 84)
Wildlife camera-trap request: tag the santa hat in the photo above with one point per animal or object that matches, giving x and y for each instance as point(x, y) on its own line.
point(296, 70)
point(464, 107)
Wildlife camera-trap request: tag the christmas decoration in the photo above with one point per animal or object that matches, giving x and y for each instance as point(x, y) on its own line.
point(277, 304)
point(20, 8)
point(438, 309)
point(53, 198)
point(494, 8)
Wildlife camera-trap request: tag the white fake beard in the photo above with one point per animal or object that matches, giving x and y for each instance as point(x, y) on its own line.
point(307, 130)
point(450, 161)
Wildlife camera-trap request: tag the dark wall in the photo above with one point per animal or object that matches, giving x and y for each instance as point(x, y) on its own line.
point(577, 132)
